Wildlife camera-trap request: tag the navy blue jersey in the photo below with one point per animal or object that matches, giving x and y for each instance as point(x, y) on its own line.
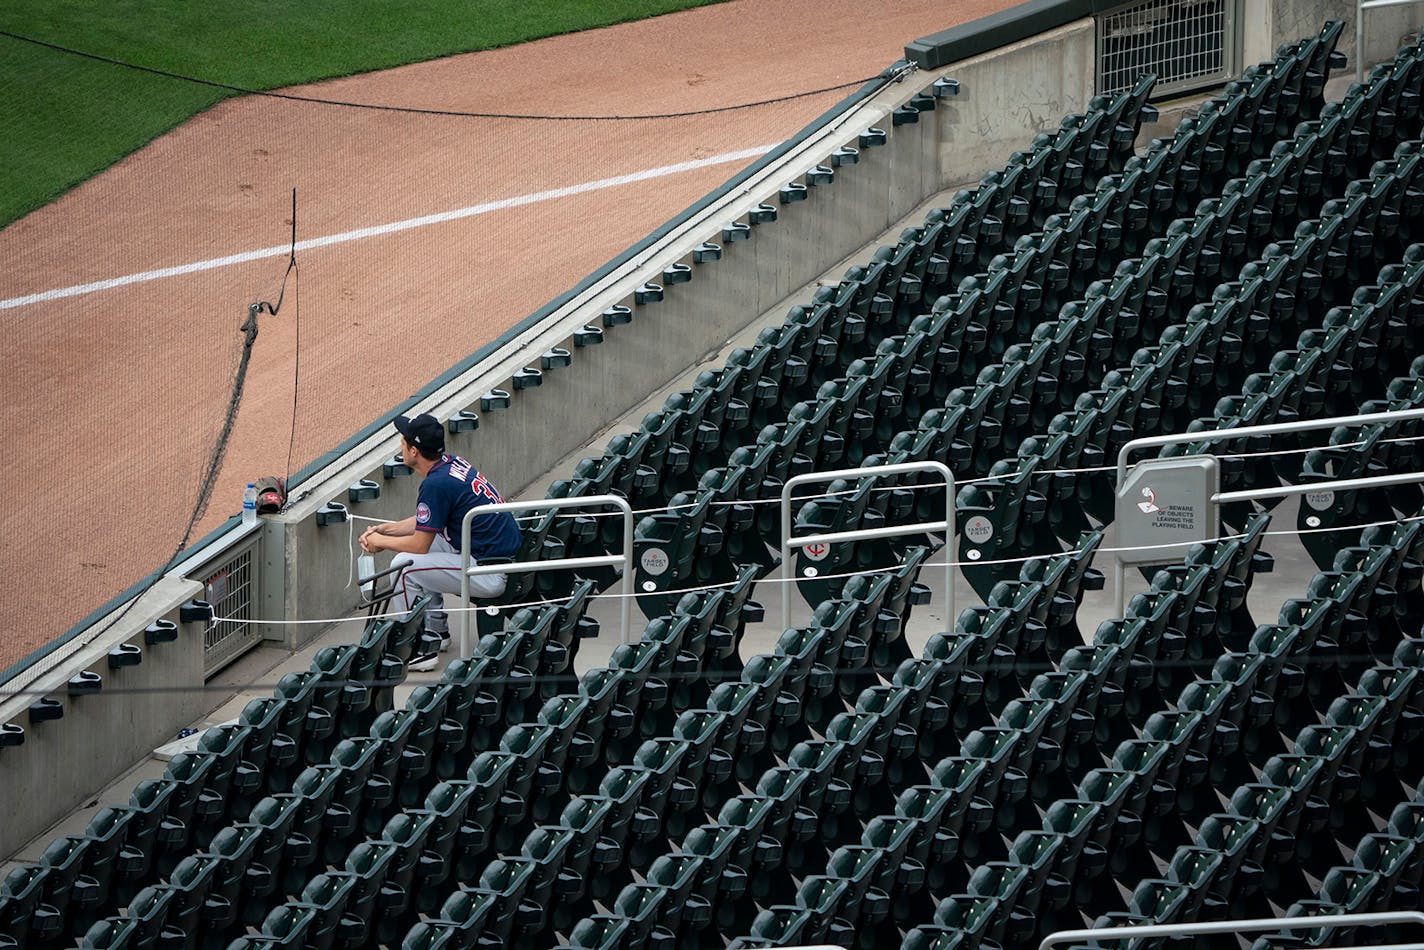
point(452, 488)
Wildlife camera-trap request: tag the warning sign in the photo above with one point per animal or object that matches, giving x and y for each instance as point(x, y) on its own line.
point(1164, 505)
point(1175, 518)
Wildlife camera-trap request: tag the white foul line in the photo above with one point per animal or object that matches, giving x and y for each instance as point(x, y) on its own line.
point(382, 229)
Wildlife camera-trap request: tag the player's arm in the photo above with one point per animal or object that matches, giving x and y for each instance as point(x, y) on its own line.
point(400, 536)
point(412, 543)
point(417, 542)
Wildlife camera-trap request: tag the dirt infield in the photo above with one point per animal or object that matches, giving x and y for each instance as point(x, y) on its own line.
point(117, 390)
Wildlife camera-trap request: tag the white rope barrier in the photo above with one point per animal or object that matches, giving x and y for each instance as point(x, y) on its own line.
point(701, 588)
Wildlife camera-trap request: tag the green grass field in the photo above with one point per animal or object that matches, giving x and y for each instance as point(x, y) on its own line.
point(67, 118)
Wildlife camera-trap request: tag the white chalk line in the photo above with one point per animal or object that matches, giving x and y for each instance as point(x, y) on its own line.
point(383, 229)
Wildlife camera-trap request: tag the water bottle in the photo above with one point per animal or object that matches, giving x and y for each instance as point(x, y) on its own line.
point(249, 504)
point(365, 568)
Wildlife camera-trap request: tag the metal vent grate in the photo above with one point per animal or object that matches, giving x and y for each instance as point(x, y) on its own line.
point(229, 588)
point(1189, 45)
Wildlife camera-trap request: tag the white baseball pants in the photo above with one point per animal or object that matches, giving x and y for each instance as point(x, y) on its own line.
point(438, 572)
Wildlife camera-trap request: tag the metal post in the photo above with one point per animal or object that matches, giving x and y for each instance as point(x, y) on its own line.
point(1221, 435)
point(947, 525)
point(1204, 928)
point(607, 560)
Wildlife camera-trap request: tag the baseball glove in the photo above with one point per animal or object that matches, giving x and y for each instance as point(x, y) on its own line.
point(271, 494)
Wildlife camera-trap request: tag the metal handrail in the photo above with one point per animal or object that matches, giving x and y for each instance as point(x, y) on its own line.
point(467, 570)
point(1305, 488)
point(1204, 928)
point(947, 525)
point(1223, 435)
point(1274, 428)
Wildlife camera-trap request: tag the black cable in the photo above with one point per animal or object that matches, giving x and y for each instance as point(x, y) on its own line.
point(296, 371)
point(297, 356)
point(264, 306)
point(888, 75)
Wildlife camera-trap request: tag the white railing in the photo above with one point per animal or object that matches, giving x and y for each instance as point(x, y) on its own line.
point(469, 570)
point(1275, 428)
point(865, 534)
point(1209, 928)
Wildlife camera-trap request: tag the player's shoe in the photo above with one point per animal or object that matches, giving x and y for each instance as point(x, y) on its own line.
point(424, 662)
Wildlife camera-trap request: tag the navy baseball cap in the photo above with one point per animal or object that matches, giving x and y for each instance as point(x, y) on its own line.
point(422, 431)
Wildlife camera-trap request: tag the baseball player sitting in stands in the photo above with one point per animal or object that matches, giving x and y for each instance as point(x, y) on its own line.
point(427, 544)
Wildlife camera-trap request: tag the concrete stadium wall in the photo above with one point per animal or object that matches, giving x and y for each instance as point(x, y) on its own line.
point(1272, 22)
point(62, 762)
point(1034, 82)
